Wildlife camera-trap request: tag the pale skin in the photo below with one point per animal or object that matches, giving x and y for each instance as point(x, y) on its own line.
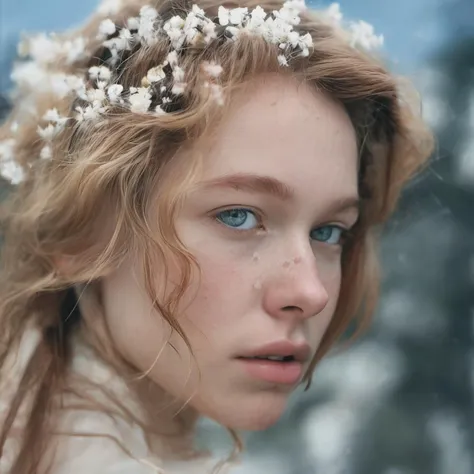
point(270, 269)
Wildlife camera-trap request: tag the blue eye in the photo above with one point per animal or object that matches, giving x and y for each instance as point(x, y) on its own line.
point(328, 234)
point(238, 218)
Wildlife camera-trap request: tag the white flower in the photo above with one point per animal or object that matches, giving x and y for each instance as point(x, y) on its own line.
point(212, 68)
point(100, 73)
point(91, 112)
point(159, 110)
point(178, 88)
point(47, 133)
point(174, 28)
point(282, 60)
point(114, 92)
point(256, 24)
point(362, 34)
point(288, 15)
point(223, 16)
point(109, 7)
point(44, 49)
point(46, 152)
point(74, 50)
point(172, 58)
point(140, 99)
point(146, 30)
point(133, 23)
point(233, 31)
point(178, 74)
point(333, 13)
point(107, 28)
point(216, 92)
point(95, 95)
point(76, 84)
point(198, 11)
point(14, 127)
point(9, 169)
point(12, 172)
point(155, 74)
point(237, 16)
point(123, 42)
point(209, 31)
point(7, 150)
point(52, 115)
point(298, 5)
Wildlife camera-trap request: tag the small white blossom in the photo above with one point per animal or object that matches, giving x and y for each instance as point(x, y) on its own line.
point(133, 23)
point(159, 110)
point(9, 169)
point(172, 58)
point(109, 7)
point(114, 92)
point(46, 152)
point(209, 31)
point(282, 60)
point(298, 5)
point(217, 94)
point(14, 127)
point(12, 172)
point(95, 95)
point(146, 30)
point(288, 15)
point(223, 16)
point(44, 49)
point(47, 133)
point(156, 74)
point(256, 24)
point(178, 88)
point(178, 74)
point(74, 50)
point(52, 115)
point(237, 16)
point(333, 13)
point(140, 99)
point(212, 68)
point(91, 112)
point(106, 28)
point(100, 73)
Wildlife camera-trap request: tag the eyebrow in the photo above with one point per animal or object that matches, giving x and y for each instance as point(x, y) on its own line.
point(273, 187)
point(253, 183)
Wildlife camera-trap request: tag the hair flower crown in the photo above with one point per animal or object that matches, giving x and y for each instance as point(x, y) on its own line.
point(96, 90)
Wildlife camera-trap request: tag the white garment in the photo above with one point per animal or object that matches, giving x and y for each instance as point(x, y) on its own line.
point(97, 454)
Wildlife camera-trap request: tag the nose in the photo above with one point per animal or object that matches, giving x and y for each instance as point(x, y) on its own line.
point(296, 290)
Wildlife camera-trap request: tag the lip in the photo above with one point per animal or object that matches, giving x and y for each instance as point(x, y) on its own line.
point(275, 372)
point(301, 352)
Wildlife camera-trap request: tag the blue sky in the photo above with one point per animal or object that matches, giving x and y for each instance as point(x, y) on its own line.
point(412, 28)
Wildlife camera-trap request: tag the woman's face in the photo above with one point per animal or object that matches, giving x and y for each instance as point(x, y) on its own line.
point(265, 220)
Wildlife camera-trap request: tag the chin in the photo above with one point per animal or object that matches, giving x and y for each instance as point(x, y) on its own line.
point(251, 413)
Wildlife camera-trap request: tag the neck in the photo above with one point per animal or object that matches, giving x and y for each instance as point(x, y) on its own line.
point(171, 422)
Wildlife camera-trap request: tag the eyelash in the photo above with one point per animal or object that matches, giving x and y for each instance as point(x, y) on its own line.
point(344, 233)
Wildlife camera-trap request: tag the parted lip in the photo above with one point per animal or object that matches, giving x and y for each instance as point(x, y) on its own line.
point(301, 352)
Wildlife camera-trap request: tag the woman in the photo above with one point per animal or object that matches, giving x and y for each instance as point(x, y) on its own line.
point(197, 190)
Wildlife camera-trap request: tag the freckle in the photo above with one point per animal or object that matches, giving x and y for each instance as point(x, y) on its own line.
point(255, 257)
point(286, 264)
point(257, 285)
point(297, 260)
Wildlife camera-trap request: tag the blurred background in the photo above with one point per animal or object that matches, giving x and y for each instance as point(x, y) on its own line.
point(400, 400)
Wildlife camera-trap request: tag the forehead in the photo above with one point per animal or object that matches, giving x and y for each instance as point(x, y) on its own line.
point(287, 130)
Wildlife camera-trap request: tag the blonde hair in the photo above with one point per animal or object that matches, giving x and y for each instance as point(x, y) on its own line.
point(125, 160)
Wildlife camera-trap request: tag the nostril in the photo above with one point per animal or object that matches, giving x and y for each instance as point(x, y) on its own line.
point(291, 308)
